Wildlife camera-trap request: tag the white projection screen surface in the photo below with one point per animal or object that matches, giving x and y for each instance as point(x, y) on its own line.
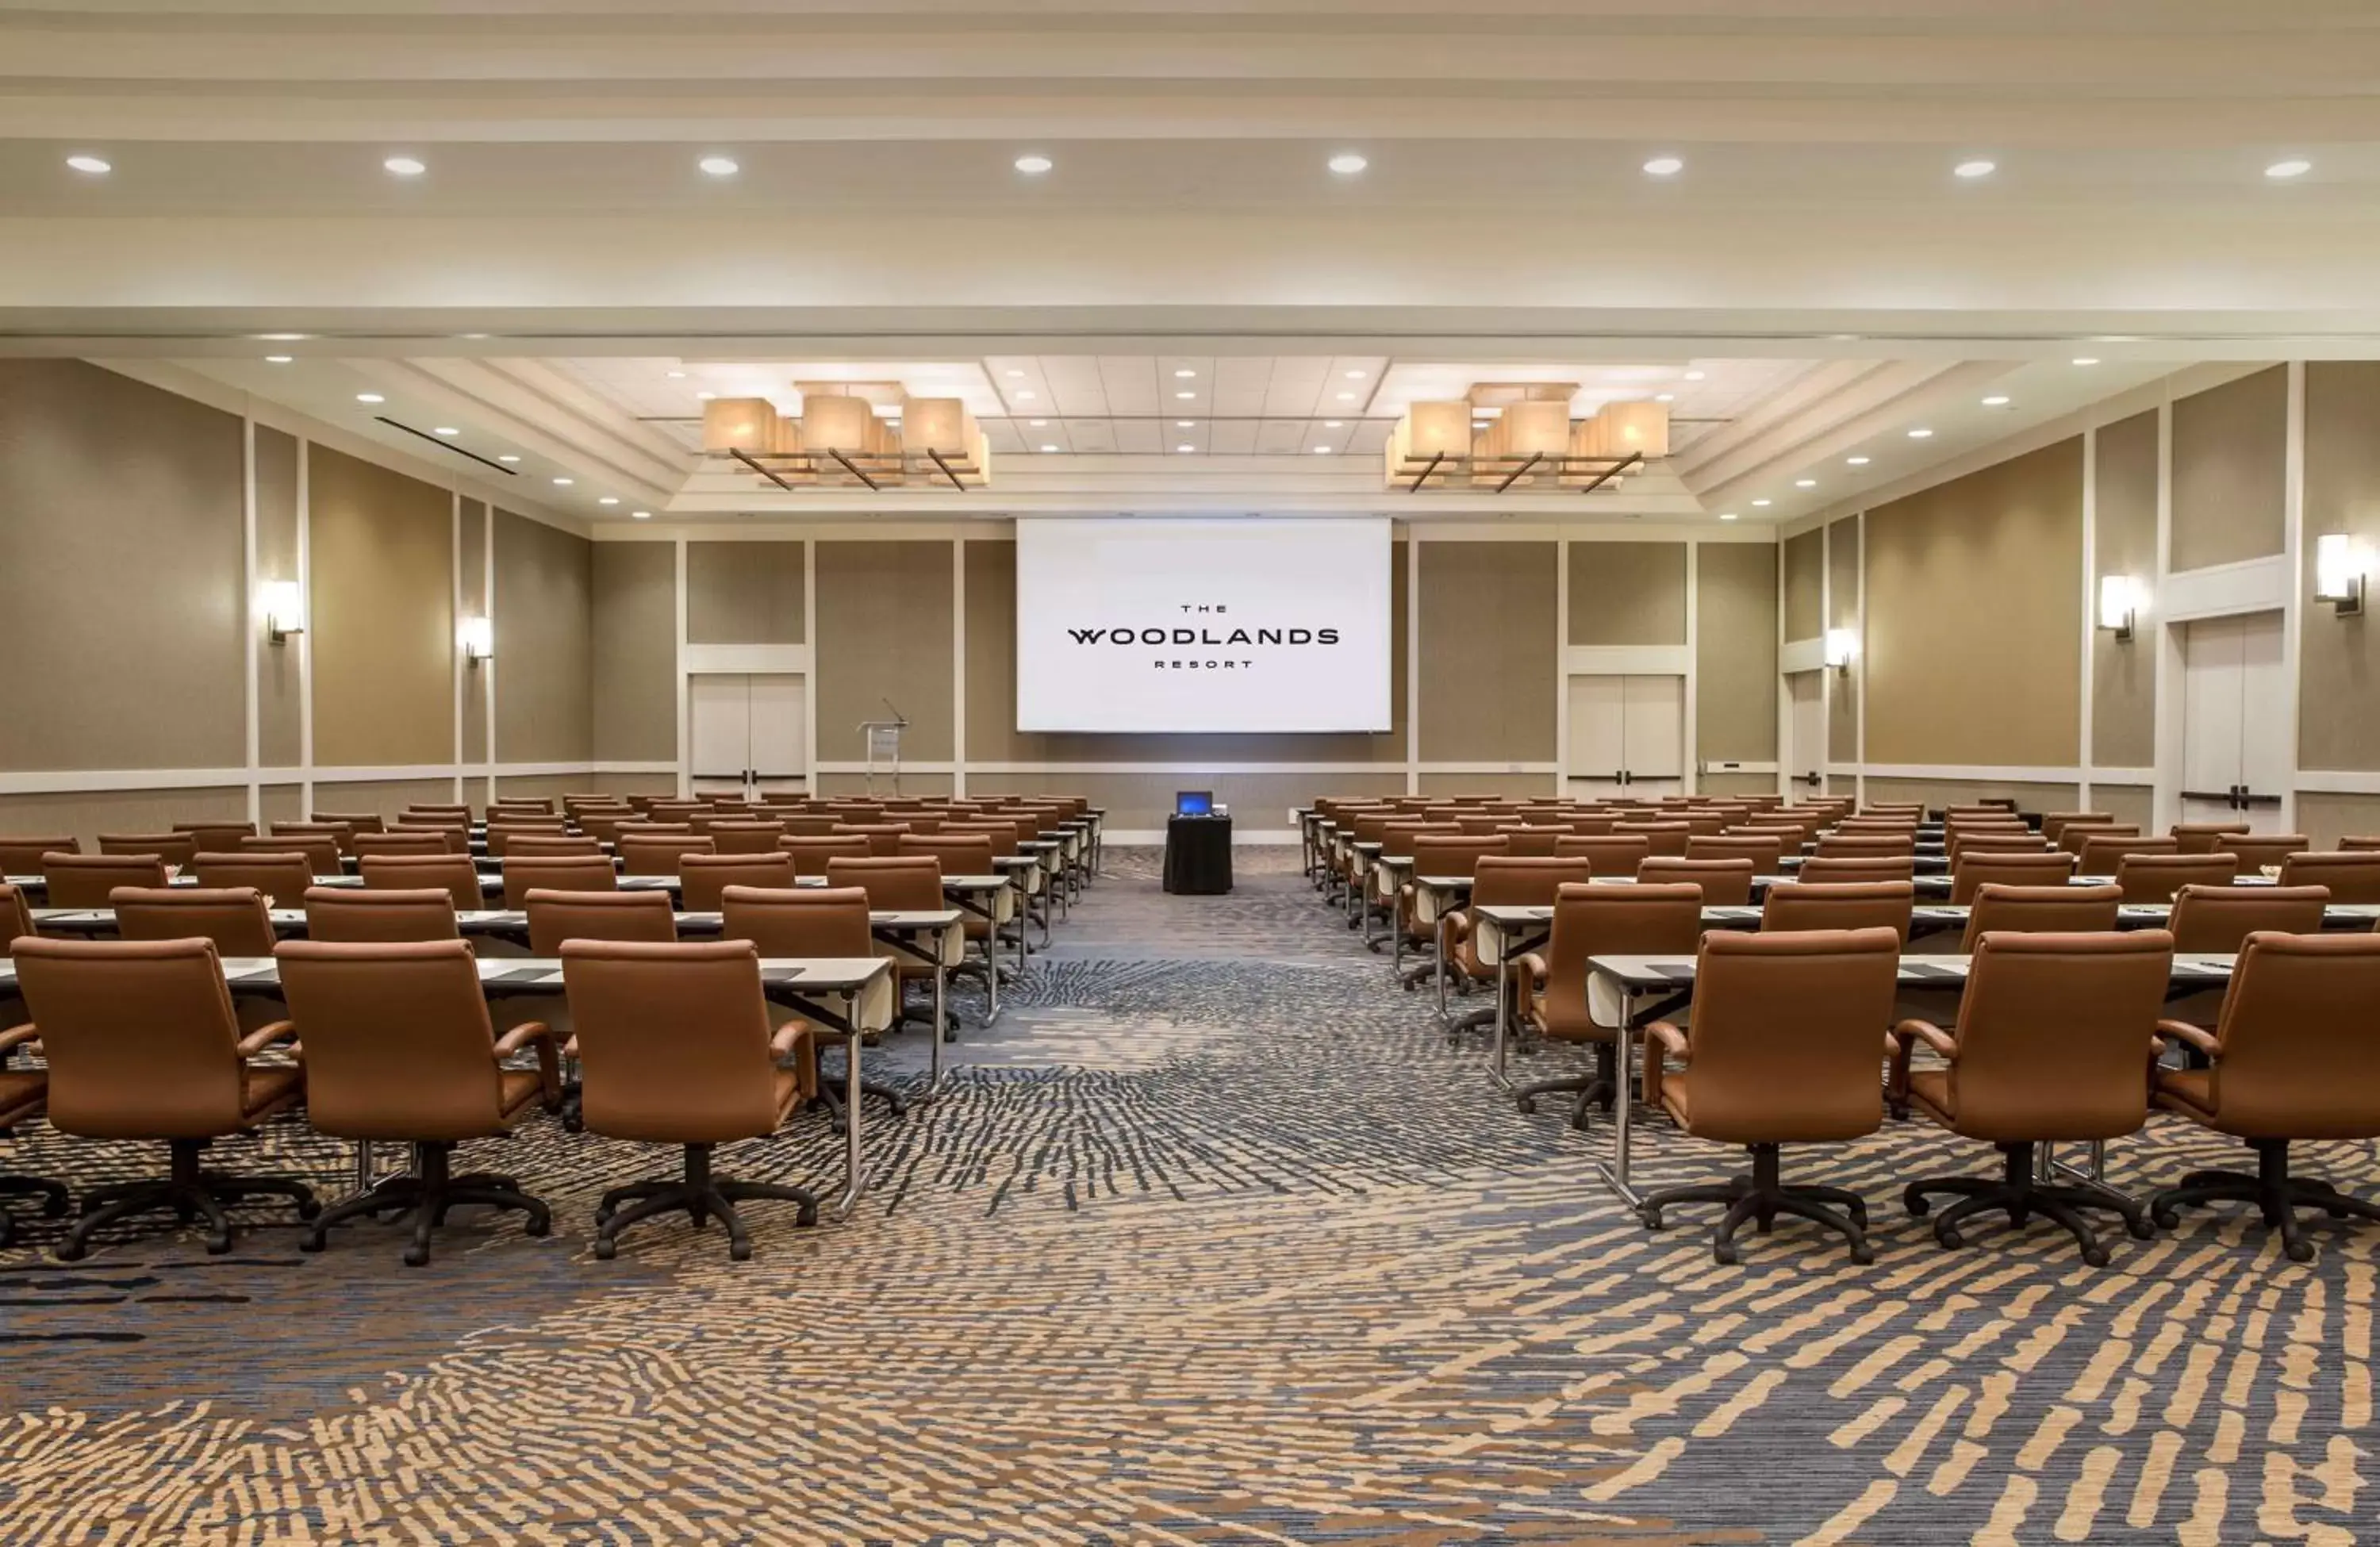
point(1249, 625)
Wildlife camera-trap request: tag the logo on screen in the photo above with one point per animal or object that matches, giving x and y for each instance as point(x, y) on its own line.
point(1207, 634)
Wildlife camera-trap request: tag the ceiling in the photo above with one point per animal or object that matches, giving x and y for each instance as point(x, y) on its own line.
point(1814, 255)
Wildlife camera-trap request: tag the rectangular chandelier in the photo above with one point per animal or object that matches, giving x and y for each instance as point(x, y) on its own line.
point(841, 440)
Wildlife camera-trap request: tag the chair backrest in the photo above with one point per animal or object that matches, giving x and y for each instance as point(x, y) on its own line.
point(2298, 1057)
point(174, 849)
point(884, 837)
point(1789, 1034)
point(811, 855)
point(646, 854)
point(2352, 877)
point(367, 914)
point(2054, 824)
point(1845, 868)
point(2154, 878)
point(1608, 853)
point(1525, 881)
point(2055, 1030)
point(2218, 918)
point(557, 917)
point(214, 834)
point(1534, 843)
point(2205, 837)
point(799, 922)
point(282, 878)
point(15, 916)
point(743, 836)
point(85, 880)
point(892, 882)
point(531, 803)
point(702, 877)
point(1723, 883)
point(1972, 872)
point(1398, 837)
point(456, 872)
point(321, 851)
point(554, 845)
point(1959, 844)
point(2042, 910)
point(233, 917)
point(672, 1040)
point(2360, 844)
point(341, 836)
point(2101, 854)
point(1668, 839)
point(2256, 850)
point(139, 1034)
point(524, 873)
point(1608, 919)
point(2075, 835)
point(1839, 905)
point(357, 822)
point(1767, 853)
point(1867, 845)
point(398, 1043)
point(453, 834)
point(456, 809)
point(811, 826)
point(958, 853)
point(416, 841)
point(1455, 855)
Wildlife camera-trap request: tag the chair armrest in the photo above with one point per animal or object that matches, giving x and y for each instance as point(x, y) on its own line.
point(1910, 1032)
point(18, 1036)
point(537, 1034)
point(2188, 1035)
point(1671, 1040)
point(787, 1038)
point(1535, 964)
point(264, 1037)
point(1899, 1043)
point(520, 1036)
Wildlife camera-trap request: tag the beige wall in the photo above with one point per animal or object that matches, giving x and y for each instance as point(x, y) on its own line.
point(1937, 793)
point(1805, 569)
point(544, 649)
point(2129, 803)
point(2231, 458)
point(2123, 672)
point(120, 574)
point(745, 593)
point(388, 797)
point(88, 814)
point(1488, 691)
point(380, 556)
point(1627, 593)
point(2339, 661)
point(279, 714)
point(883, 632)
point(1842, 611)
point(1515, 786)
point(2325, 818)
point(1975, 617)
point(1735, 653)
point(633, 657)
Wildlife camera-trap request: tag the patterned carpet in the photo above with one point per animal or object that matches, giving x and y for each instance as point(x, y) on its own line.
point(1214, 1239)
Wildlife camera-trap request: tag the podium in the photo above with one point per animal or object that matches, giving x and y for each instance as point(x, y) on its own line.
point(882, 739)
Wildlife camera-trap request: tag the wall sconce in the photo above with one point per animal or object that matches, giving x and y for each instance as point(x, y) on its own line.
point(285, 610)
point(478, 636)
point(2119, 605)
point(1842, 645)
point(2340, 566)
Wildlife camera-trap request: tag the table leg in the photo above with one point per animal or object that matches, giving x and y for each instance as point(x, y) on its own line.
point(364, 1169)
point(1615, 1170)
point(1441, 927)
point(852, 1184)
point(1496, 1070)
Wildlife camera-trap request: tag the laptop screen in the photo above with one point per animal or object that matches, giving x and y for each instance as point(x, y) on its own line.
point(1194, 802)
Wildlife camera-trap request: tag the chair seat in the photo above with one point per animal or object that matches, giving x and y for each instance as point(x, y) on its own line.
point(2191, 1090)
point(265, 1089)
point(1930, 1090)
point(1560, 1027)
point(515, 1089)
point(20, 1095)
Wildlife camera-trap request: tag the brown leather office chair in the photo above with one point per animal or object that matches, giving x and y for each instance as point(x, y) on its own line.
point(2295, 1056)
point(524, 873)
point(884, 837)
point(400, 1048)
point(2154, 878)
point(1959, 844)
point(555, 918)
point(1864, 846)
point(456, 872)
point(819, 921)
point(1723, 883)
point(356, 822)
point(16, 915)
point(2053, 1031)
point(1666, 839)
point(234, 918)
point(2054, 824)
point(1606, 854)
point(1973, 873)
point(283, 879)
point(744, 836)
point(548, 846)
point(341, 836)
point(322, 854)
point(1839, 905)
point(85, 880)
point(1767, 853)
point(2352, 877)
point(810, 825)
point(2205, 837)
point(174, 849)
point(380, 915)
point(896, 883)
point(2101, 854)
point(417, 841)
point(2219, 920)
point(1436, 854)
point(1787, 1047)
point(1529, 843)
point(439, 810)
point(812, 855)
point(1504, 880)
point(531, 803)
point(2041, 910)
point(2256, 850)
point(2075, 835)
point(646, 854)
point(676, 1049)
point(1838, 869)
point(2363, 844)
point(23, 856)
point(703, 877)
point(22, 1096)
point(142, 1043)
point(214, 834)
point(1592, 920)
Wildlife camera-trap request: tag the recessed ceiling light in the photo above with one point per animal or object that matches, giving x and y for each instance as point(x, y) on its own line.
point(1996, 400)
point(1185, 397)
point(406, 167)
point(1183, 447)
point(1049, 448)
point(1039, 423)
point(283, 337)
point(1665, 397)
point(2087, 359)
point(1663, 167)
point(1858, 461)
point(1014, 371)
point(676, 375)
point(1184, 424)
point(509, 457)
point(94, 165)
point(277, 360)
point(1347, 397)
point(1758, 502)
point(1921, 435)
point(2281, 171)
point(370, 398)
point(640, 515)
point(719, 166)
point(1806, 483)
point(706, 396)
point(1696, 375)
point(1347, 164)
point(1033, 166)
point(1354, 375)
point(1972, 169)
point(609, 499)
point(446, 430)
point(562, 483)
point(1332, 424)
point(1727, 514)
point(1183, 374)
point(1025, 395)
point(1322, 451)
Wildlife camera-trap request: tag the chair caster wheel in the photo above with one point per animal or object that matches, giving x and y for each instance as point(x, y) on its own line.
point(2166, 1219)
point(55, 1206)
point(1947, 1235)
point(739, 1251)
point(2097, 1257)
point(2300, 1251)
point(68, 1251)
point(1528, 1104)
point(218, 1244)
point(1724, 1254)
point(606, 1248)
point(417, 1257)
point(310, 1242)
point(2140, 1229)
point(1651, 1218)
point(308, 1210)
point(538, 1225)
point(808, 1214)
point(1864, 1255)
point(2336, 1213)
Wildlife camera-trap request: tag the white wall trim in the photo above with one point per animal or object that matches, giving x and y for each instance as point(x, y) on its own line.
point(1690, 729)
point(1195, 768)
point(684, 696)
point(1561, 652)
point(1413, 668)
point(958, 665)
point(2318, 781)
point(1631, 660)
point(2086, 743)
point(742, 659)
point(1797, 656)
point(2258, 585)
point(1242, 837)
point(247, 619)
point(306, 639)
point(1972, 772)
point(2292, 587)
point(1733, 766)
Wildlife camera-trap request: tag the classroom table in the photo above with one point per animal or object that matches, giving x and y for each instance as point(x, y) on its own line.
point(852, 997)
